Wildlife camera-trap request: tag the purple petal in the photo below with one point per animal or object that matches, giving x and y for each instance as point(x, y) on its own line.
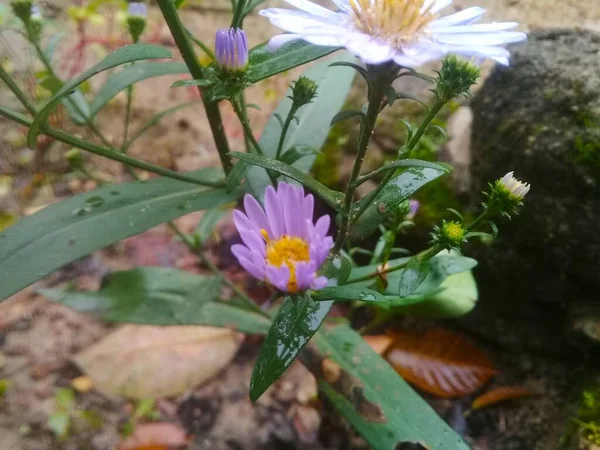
point(251, 268)
point(305, 274)
point(274, 213)
point(278, 276)
point(253, 241)
point(256, 214)
point(322, 225)
point(319, 283)
point(242, 222)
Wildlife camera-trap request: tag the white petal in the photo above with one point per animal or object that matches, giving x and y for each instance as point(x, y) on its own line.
point(481, 39)
point(293, 21)
point(312, 8)
point(465, 16)
point(479, 28)
point(437, 7)
point(499, 54)
point(344, 5)
point(422, 52)
point(369, 49)
point(277, 41)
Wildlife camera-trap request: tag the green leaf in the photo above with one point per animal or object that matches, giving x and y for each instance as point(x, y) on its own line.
point(123, 55)
point(66, 231)
point(297, 152)
point(378, 403)
point(178, 3)
point(237, 174)
point(337, 269)
point(264, 64)
point(312, 129)
point(206, 226)
point(346, 114)
point(404, 163)
point(186, 83)
point(412, 276)
point(398, 190)
point(122, 79)
point(332, 198)
point(75, 104)
point(251, 5)
point(296, 321)
point(162, 296)
point(347, 293)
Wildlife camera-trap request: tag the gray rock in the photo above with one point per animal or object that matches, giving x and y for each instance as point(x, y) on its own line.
point(541, 118)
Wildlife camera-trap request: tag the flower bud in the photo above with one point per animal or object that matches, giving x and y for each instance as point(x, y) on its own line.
point(450, 235)
point(304, 91)
point(513, 187)
point(22, 9)
point(455, 78)
point(231, 50)
point(506, 195)
point(136, 19)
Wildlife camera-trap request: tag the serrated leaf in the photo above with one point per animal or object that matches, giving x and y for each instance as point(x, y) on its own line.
point(68, 230)
point(312, 127)
point(293, 154)
point(264, 63)
point(122, 79)
point(331, 197)
point(296, 321)
point(440, 362)
point(162, 296)
point(129, 53)
point(398, 190)
point(378, 403)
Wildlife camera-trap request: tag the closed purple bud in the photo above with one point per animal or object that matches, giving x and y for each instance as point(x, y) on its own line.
point(137, 9)
point(231, 49)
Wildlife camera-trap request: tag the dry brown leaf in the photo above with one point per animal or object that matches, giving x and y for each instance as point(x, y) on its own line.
point(499, 395)
point(440, 362)
point(141, 362)
point(155, 436)
point(82, 384)
point(379, 343)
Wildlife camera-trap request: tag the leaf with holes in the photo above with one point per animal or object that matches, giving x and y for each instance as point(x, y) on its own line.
point(499, 395)
point(440, 362)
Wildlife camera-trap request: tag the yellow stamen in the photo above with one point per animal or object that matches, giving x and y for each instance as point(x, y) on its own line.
point(286, 250)
point(396, 21)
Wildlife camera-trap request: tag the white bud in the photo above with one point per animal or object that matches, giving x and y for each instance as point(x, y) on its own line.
point(514, 186)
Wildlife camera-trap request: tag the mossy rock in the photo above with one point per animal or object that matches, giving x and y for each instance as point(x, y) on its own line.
point(541, 118)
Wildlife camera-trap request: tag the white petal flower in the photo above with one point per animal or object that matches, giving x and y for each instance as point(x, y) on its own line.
point(409, 32)
point(516, 188)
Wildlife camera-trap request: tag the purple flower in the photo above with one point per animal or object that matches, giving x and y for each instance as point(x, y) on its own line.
point(281, 244)
point(231, 49)
point(137, 9)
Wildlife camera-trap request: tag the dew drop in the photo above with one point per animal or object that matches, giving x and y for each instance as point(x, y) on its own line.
point(367, 297)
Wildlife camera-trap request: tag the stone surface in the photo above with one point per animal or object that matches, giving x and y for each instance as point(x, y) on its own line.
point(541, 118)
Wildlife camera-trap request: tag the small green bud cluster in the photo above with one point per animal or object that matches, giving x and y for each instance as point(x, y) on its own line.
point(450, 235)
point(304, 91)
point(455, 78)
point(136, 19)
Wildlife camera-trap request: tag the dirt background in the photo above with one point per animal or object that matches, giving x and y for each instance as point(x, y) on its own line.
point(38, 338)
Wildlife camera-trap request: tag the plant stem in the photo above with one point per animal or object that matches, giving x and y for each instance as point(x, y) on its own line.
point(433, 111)
point(238, 14)
point(201, 44)
point(213, 113)
point(284, 130)
point(214, 269)
point(483, 216)
point(107, 153)
point(376, 95)
point(124, 146)
point(4, 76)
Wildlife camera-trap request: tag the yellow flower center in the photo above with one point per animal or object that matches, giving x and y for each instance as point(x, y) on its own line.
point(286, 250)
point(396, 21)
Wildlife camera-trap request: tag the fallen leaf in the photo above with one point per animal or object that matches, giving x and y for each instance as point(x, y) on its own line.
point(499, 395)
point(440, 362)
point(82, 384)
point(379, 343)
point(155, 436)
point(147, 362)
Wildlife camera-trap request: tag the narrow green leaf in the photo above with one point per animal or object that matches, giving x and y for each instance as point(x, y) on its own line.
point(412, 276)
point(264, 64)
point(361, 70)
point(296, 321)
point(237, 174)
point(162, 296)
point(378, 403)
point(179, 3)
point(403, 163)
point(332, 198)
point(129, 53)
point(66, 231)
point(75, 104)
point(337, 269)
point(398, 190)
point(122, 79)
point(186, 83)
point(297, 152)
point(312, 127)
point(347, 293)
point(347, 114)
point(206, 226)
point(251, 5)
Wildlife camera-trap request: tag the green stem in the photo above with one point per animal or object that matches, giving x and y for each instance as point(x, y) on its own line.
point(124, 146)
point(376, 95)
point(284, 130)
point(107, 153)
point(238, 14)
point(433, 111)
point(201, 44)
point(213, 113)
point(4, 76)
point(214, 269)
point(483, 216)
